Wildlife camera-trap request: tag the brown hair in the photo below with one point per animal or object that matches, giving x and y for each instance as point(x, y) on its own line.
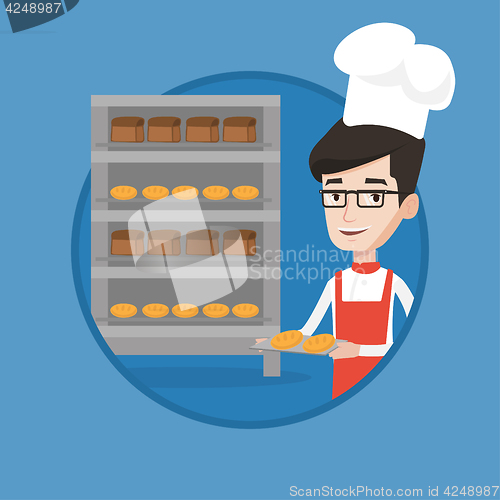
point(343, 148)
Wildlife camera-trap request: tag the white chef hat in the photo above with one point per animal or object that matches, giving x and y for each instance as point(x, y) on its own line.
point(393, 82)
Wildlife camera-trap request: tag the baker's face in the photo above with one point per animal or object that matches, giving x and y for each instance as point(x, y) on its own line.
point(365, 228)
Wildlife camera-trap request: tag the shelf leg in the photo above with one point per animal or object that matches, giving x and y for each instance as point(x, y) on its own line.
point(271, 361)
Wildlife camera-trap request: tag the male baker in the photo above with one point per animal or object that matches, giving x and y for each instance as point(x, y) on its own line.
point(368, 164)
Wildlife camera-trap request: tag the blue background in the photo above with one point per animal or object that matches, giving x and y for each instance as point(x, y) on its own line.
point(230, 390)
point(73, 427)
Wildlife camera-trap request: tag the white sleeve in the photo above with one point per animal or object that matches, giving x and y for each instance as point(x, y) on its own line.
point(374, 350)
point(319, 311)
point(404, 294)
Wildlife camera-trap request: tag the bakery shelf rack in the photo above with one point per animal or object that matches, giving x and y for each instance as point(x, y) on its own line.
point(176, 157)
point(121, 278)
point(192, 146)
point(235, 203)
point(190, 216)
point(173, 320)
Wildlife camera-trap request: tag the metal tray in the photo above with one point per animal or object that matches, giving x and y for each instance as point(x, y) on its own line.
point(265, 345)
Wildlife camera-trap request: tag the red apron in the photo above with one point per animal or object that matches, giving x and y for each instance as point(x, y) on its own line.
point(360, 323)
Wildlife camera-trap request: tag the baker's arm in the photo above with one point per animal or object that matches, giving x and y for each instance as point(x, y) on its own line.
point(374, 350)
point(319, 311)
point(404, 294)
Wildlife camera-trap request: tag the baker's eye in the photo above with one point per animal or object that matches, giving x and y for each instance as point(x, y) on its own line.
point(336, 197)
point(375, 198)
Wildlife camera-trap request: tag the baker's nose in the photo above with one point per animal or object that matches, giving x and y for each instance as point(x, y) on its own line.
point(350, 208)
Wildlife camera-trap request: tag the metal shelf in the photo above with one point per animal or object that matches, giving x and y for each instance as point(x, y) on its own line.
point(180, 260)
point(207, 330)
point(203, 201)
point(136, 163)
point(162, 273)
point(197, 101)
point(174, 320)
point(183, 146)
point(189, 215)
point(185, 156)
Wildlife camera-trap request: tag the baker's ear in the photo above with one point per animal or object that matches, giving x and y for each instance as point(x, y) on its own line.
point(409, 208)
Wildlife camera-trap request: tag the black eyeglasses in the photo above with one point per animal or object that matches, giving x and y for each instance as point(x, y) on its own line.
point(365, 198)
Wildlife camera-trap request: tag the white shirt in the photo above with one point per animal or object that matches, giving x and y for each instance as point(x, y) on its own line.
point(357, 287)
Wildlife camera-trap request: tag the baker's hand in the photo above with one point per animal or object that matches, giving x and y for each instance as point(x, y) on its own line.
point(345, 350)
point(258, 341)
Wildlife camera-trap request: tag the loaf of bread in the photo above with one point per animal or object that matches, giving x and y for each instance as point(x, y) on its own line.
point(287, 340)
point(319, 343)
point(202, 129)
point(239, 242)
point(164, 129)
point(245, 310)
point(202, 242)
point(127, 129)
point(164, 242)
point(239, 129)
point(127, 242)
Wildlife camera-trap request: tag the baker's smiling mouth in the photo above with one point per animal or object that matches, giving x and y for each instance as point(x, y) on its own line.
point(351, 231)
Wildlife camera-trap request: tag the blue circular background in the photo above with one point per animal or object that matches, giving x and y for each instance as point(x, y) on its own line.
point(307, 112)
